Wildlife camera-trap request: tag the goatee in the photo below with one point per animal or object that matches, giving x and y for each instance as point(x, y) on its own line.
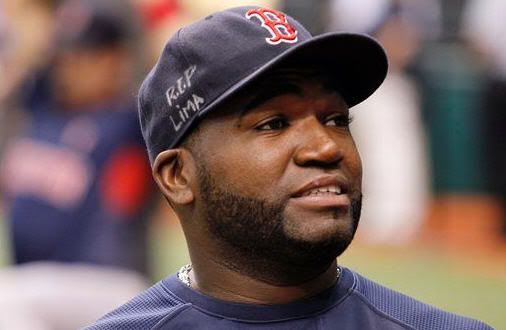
point(252, 231)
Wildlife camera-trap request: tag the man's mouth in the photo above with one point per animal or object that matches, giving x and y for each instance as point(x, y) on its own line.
point(323, 192)
point(332, 190)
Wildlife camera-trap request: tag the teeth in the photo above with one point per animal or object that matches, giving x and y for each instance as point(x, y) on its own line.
point(323, 190)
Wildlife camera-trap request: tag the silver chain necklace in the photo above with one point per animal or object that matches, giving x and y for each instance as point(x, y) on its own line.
point(184, 274)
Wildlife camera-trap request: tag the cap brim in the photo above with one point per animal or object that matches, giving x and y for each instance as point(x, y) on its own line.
point(357, 62)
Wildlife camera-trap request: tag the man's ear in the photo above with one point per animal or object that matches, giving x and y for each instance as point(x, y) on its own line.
point(173, 171)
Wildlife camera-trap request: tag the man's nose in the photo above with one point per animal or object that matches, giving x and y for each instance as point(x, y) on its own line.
point(318, 146)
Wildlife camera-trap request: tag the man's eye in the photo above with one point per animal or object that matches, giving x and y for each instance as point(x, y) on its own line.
point(339, 121)
point(273, 124)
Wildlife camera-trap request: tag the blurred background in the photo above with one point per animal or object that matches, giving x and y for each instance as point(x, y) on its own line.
point(83, 229)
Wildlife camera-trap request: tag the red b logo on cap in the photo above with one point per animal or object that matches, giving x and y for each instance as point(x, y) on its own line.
point(276, 23)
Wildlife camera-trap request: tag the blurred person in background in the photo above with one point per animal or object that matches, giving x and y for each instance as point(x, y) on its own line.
point(485, 27)
point(75, 180)
point(396, 179)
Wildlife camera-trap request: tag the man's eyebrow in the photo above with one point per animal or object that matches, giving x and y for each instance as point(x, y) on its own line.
point(268, 92)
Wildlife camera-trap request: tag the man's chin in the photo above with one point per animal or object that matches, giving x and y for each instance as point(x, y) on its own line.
point(316, 256)
point(318, 238)
point(318, 226)
point(315, 250)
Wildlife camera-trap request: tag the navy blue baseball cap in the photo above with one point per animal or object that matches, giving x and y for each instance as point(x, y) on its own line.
point(207, 62)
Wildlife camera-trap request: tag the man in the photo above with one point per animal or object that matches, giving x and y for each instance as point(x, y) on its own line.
point(245, 117)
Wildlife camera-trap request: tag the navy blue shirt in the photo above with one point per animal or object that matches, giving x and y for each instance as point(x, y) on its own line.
point(353, 303)
point(77, 185)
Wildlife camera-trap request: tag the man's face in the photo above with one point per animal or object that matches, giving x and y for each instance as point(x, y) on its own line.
point(279, 173)
point(90, 76)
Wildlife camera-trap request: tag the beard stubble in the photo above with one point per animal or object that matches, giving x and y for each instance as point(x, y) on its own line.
point(251, 233)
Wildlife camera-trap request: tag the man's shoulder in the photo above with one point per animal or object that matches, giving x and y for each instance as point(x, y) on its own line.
point(144, 311)
point(408, 311)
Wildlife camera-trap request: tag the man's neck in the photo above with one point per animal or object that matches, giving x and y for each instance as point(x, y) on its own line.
point(220, 281)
